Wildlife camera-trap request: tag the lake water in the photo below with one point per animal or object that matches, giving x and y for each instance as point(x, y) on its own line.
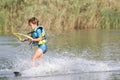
point(73, 55)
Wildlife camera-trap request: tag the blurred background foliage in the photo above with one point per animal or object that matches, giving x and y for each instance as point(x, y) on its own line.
point(60, 15)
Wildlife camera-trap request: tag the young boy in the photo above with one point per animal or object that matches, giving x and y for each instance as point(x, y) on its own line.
point(38, 38)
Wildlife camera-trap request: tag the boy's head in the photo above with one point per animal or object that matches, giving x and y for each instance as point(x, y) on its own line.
point(33, 22)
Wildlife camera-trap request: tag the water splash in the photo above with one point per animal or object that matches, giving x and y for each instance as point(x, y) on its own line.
point(53, 64)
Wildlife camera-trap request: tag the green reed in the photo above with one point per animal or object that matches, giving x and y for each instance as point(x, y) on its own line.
point(60, 15)
point(110, 19)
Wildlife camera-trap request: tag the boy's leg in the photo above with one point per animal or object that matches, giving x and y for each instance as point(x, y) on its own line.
point(38, 54)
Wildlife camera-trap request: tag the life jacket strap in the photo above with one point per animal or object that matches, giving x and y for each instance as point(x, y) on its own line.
point(42, 42)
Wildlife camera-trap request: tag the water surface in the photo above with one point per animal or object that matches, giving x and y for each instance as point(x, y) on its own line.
point(73, 55)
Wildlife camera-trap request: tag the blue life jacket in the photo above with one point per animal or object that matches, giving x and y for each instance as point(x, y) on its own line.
point(35, 34)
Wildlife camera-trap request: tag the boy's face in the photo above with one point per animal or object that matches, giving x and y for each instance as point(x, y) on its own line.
point(32, 25)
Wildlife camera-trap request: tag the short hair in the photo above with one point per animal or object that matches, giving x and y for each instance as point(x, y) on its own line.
point(33, 20)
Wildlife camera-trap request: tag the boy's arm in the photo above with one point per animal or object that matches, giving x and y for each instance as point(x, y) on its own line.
point(39, 36)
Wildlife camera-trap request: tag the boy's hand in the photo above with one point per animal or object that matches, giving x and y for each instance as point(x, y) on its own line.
point(29, 40)
point(23, 40)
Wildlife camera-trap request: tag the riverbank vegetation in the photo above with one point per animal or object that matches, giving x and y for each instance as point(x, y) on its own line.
point(60, 15)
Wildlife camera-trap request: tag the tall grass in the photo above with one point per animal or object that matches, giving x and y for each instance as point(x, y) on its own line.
point(3, 21)
point(60, 15)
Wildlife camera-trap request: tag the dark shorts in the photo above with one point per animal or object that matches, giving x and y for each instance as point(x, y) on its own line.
point(43, 47)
